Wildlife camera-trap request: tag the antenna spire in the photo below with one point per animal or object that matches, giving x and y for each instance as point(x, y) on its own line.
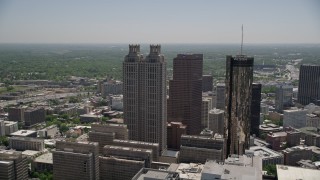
point(241, 40)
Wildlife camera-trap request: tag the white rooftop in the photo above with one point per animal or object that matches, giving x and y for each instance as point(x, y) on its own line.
point(294, 173)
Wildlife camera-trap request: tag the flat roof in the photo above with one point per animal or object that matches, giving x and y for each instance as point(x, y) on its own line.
point(289, 172)
point(170, 153)
point(23, 133)
point(30, 152)
point(264, 152)
point(44, 158)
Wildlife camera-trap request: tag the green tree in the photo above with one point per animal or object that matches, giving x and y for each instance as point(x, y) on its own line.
point(63, 128)
point(4, 140)
point(271, 169)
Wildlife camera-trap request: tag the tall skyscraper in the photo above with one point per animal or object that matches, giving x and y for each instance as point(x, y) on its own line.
point(309, 84)
point(255, 109)
point(283, 97)
point(207, 83)
point(221, 99)
point(239, 76)
point(144, 95)
point(185, 92)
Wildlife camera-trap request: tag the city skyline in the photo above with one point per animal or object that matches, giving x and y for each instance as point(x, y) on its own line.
point(188, 22)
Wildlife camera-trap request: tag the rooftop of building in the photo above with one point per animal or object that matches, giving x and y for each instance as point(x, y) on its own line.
point(91, 115)
point(44, 158)
point(263, 152)
point(23, 133)
point(187, 171)
point(49, 127)
point(9, 123)
point(128, 148)
point(289, 172)
point(31, 153)
point(146, 173)
point(296, 148)
point(9, 154)
point(314, 149)
point(310, 131)
point(170, 153)
point(215, 137)
point(136, 142)
point(277, 134)
point(229, 171)
point(216, 111)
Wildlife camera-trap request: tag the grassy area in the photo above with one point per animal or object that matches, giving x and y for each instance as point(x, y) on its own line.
point(4, 90)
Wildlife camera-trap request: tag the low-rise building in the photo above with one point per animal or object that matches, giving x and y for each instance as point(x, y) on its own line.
point(215, 170)
point(267, 155)
point(198, 149)
point(277, 140)
point(48, 132)
point(26, 143)
point(89, 118)
point(8, 127)
point(294, 154)
point(117, 102)
point(141, 145)
point(43, 163)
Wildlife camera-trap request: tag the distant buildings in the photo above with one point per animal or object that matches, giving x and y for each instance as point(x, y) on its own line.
point(220, 103)
point(144, 95)
point(111, 87)
point(8, 127)
point(16, 114)
point(309, 84)
point(185, 92)
point(34, 116)
point(283, 98)
point(117, 102)
point(295, 118)
point(205, 108)
point(76, 161)
point(207, 83)
point(216, 121)
point(239, 77)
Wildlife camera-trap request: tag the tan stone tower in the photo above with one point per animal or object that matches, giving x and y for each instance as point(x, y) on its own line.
point(144, 95)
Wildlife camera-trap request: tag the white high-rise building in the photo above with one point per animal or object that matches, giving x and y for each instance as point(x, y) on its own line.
point(144, 95)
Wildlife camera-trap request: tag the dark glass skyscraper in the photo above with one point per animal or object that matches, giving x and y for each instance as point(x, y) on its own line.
point(239, 76)
point(185, 92)
point(255, 109)
point(309, 84)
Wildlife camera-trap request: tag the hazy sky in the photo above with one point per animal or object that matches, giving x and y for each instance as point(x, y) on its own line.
point(162, 21)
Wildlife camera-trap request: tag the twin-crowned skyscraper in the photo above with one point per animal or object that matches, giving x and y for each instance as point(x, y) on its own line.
point(144, 94)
